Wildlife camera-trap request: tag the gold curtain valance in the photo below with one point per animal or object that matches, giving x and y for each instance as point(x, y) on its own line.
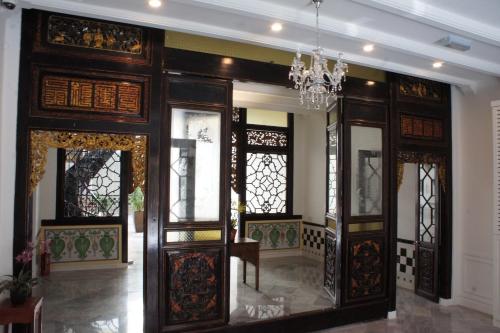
point(41, 141)
point(424, 158)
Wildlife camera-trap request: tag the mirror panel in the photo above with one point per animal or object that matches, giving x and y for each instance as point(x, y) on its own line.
point(366, 171)
point(195, 166)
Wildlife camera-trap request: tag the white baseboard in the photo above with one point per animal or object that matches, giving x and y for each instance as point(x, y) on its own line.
point(446, 301)
point(391, 315)
point(475, 303)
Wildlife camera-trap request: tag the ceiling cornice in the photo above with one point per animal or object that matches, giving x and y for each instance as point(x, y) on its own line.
point(351, 31)
point(439, 18)
point(158, 21)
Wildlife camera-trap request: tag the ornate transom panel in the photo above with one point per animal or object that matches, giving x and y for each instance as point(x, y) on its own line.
point(90, 34)
point(41, 141)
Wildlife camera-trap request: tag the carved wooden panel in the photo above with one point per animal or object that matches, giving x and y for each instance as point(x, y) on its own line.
point(421, 128)
point(425, 270)
point(90, 38)
point(77, 94)
point(366, 268)
point(416, 89)
point(256, 137)
point(330, 262)
point(194, 283)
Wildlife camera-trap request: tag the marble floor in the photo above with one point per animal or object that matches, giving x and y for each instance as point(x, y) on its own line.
point(418, 315)
point(288, 285)
point(96, 301)
point(109, 301)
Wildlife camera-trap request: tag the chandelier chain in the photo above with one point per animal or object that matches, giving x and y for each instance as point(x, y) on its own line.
point(317, 85)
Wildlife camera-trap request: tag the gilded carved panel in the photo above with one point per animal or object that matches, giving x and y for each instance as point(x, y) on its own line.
point(91, 34)
point(420, 89)
point(66, 92)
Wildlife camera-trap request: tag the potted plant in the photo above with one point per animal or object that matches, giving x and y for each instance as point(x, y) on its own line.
point(234, 230)
point(136, 200)
point(234, 220)
point(20, 286)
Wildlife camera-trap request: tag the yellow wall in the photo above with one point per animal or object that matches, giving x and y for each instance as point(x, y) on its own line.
point(179, 40)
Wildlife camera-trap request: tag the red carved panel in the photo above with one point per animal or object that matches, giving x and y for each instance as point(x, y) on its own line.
point(366, 268)
point(193, 285)
point(421, 128)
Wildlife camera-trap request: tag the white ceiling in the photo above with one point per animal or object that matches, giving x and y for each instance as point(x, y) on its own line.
point(404, 31)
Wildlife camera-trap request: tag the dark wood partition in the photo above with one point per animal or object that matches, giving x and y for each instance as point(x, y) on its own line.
point(421, 132)
point(195, 262)
point(86, 75)
point(365, 225)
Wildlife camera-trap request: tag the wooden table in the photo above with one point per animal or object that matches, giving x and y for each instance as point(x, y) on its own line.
point(247, 249)
point(30, 313)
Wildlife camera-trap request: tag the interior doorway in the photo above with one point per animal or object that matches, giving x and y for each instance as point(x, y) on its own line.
point(85, 190)
point(418, 225)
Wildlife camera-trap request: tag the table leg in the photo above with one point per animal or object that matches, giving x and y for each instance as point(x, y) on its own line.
point(244, 271)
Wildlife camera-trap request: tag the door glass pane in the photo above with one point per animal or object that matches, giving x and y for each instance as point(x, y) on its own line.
point(427, 202)
point(332, 170)
point(366, 171)
point(195, 166)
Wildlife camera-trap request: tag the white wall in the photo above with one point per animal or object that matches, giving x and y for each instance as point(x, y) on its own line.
point(10, 36)
point(473, 196)
point(407, 201)
point(309, 166)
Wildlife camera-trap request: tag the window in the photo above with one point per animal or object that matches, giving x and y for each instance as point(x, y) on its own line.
point(91, 183)
point(261, 162)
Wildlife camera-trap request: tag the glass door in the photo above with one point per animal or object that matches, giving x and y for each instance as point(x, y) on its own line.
point(427, 232)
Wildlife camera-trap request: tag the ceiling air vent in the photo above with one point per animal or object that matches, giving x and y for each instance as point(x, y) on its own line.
point(455, 42)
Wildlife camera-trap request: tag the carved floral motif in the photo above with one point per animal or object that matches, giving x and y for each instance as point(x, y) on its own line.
point(419, 88)
point(425, 158)
point(193, 284)
point(41, 141)
point(266, 138)
point(366, 268)
point(90, 34)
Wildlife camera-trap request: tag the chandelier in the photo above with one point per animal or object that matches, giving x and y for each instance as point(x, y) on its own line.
point(317, 85)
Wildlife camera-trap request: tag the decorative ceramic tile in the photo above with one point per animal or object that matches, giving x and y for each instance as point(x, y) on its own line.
point(313, 240)
point(275, 234)
point(405, 265)
point(83, 243)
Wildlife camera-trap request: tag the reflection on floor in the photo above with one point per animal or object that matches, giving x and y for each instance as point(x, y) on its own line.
point(96, 301)
point(287, 285)
point(416, 314)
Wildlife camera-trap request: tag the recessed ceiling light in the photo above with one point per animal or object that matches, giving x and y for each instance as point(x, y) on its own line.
point(437, 64)
point(368, 47)
point(370, 83)
point(276, 27)
point(227, 61)
point(154, 3)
